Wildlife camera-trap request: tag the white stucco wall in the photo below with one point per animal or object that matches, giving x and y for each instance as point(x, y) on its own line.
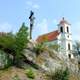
point(65, 38)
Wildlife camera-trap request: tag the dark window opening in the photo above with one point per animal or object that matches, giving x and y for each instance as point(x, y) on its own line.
point(67, 29)
point(68, 36)
point(61, 29)
point(68, 46)
point(69, 55)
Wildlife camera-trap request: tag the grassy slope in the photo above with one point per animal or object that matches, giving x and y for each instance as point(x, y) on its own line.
point(9, 73)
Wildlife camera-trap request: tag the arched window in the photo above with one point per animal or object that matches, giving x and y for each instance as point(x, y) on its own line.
point(69, 55)
point(68, 46)
point(67, 29)
point(61, 29)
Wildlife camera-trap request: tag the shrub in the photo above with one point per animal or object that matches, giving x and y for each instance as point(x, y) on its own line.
point(30, 73)
point(56, 47)
point(16, 77)
point(39, 48)
point(59, 75)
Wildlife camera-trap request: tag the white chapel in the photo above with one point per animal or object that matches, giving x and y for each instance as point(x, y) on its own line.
point(62, 36)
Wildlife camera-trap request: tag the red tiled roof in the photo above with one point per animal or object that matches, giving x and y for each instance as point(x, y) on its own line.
point(2, 33)
point(49, 36)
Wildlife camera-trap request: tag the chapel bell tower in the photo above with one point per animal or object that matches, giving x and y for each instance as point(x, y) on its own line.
point(64, 28)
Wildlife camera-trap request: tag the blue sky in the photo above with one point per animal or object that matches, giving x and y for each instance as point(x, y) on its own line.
point(47, 12)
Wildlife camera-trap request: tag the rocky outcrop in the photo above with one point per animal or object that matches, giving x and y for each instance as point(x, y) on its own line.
point(51, 60)
point(4, 60)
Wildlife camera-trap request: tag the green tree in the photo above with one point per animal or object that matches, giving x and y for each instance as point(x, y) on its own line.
point(14, 44)
point(76, 47)
point(21, 42)
point(6, 42)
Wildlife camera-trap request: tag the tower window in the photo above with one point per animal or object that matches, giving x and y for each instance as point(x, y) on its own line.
point(61, 29)
point(68, 36)
point(67, 29)
point(68, 46)
point(69, 55)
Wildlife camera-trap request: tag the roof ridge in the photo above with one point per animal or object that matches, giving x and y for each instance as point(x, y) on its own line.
point(48, 33)
point(50, 36)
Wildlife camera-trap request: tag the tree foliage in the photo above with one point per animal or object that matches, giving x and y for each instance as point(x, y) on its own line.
point(6, 42)
point(76, 47)
point(14, 44)
point(21, 39)
point(20, 43)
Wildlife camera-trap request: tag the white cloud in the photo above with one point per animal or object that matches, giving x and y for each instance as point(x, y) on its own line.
point(32, 5)
point(36, 6)
point(29, 3)
point(40, 28)
point(76, 30)
point(5, 27)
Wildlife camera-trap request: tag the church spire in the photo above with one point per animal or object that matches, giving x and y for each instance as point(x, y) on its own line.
point(63, 21)
point(63, 18)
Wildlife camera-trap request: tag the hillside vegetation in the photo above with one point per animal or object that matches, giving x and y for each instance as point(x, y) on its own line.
point(25, 59)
